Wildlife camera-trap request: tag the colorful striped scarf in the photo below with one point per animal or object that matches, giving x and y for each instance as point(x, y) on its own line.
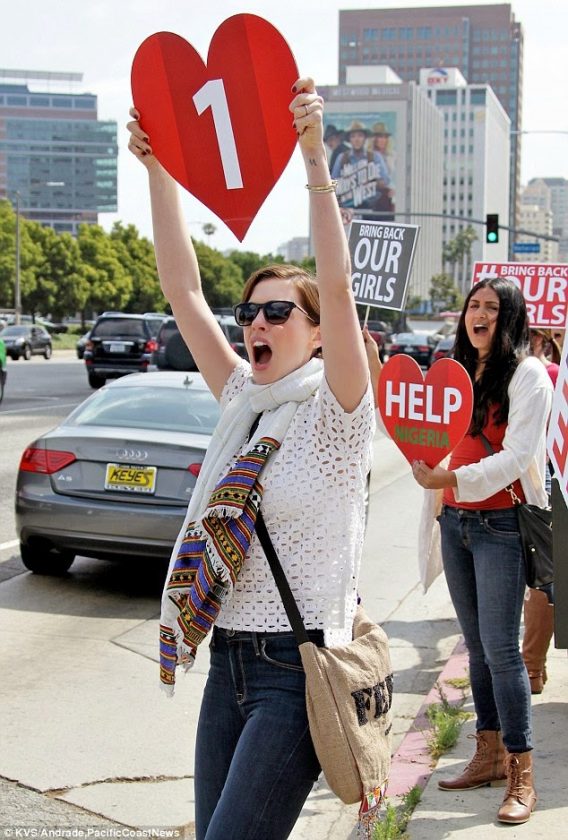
point(210, 558)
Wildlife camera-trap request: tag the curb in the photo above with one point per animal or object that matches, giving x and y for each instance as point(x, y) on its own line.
point(412, 764)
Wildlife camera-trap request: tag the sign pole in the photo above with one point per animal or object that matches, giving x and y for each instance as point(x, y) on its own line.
point(366, 316)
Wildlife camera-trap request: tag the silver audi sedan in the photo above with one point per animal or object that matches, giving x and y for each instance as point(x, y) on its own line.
point(114, 479)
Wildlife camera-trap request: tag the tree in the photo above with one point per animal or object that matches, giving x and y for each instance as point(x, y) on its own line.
point(457, 252)
point(222, 279)
point(137, 257)
point(62, 270)
point(31, 256)
point(110, 285)
point(444, 293)
point(208, 229)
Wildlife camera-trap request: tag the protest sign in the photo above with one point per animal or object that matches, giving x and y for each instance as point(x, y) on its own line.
point(557, 443)
point(425, 416)
point(381, 261)
point(544, 287)
point(222, 129)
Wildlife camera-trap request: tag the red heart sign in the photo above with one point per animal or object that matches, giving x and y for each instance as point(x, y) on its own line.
point(425, 416)
point(222, 129)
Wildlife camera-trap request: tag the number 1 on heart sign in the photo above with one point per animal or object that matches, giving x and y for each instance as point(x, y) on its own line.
point(212, 95)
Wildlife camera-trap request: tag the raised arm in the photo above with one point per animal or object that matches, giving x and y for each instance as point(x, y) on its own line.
point(179, 271)
point(344, 355)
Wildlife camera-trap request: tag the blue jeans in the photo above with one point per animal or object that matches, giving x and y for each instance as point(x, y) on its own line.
point(483, 562)
point(255, 762)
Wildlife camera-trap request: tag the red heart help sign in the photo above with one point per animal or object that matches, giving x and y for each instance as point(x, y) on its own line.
point(223, 129)
point(425, 416)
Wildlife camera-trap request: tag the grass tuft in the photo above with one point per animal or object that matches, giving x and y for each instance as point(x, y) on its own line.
point(395, 819)
point(446, 720)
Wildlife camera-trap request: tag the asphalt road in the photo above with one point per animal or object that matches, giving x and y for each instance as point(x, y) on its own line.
point(38, 395)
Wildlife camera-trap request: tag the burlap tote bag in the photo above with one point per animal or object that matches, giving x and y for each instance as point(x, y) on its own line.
point(349, 698)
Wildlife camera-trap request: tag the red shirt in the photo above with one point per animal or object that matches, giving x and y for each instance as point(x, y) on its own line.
point(470, 451)
point(552, 369)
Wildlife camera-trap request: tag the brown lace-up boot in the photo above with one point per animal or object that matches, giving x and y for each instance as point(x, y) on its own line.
point(539, 629)
point(520, 797)
point(487, 767)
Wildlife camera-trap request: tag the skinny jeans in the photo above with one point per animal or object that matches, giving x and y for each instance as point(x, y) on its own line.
point(255, 762)
point(483, 562)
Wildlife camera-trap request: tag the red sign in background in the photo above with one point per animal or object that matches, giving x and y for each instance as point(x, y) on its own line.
point(223, 129)
point(544, 287)
point(425, 416)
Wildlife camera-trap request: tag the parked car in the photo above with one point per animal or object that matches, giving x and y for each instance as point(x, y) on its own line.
point(25, 341)
point(380, 331)
point(444, 347)
point(155, 320)
point(48, 325)
point(81, 344)
point(172, 352)
point(113, 480)
point(119, 344)
point(419, 346)
point(3, 369)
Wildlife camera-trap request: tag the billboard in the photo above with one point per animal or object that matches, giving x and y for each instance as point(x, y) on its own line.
point(361, 149)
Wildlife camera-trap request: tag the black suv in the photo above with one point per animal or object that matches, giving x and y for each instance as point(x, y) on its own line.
point(26, 340)
point(119, 344)
point(172, 353)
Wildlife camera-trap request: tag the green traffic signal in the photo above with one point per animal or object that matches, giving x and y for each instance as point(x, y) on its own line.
point(492, 228)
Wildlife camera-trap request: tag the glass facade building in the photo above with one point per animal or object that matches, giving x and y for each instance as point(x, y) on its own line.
point(56, 154)
point(484, 41)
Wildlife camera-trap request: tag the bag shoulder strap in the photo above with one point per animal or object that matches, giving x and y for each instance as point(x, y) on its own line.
point(288, 599)
point(290, 605)
point(509, 488)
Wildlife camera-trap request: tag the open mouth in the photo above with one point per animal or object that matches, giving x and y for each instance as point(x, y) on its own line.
point(480, 329)
point(262, 353)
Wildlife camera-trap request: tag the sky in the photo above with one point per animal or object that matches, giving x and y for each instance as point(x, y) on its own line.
point(100, 37)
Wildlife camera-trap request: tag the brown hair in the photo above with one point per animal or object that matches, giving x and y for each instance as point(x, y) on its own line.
point(550, 345)
point(304, 282)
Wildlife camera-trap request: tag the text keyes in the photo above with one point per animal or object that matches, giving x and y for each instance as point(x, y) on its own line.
point(376, 263)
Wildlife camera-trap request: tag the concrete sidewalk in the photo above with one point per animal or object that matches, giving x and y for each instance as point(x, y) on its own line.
point(89, 740)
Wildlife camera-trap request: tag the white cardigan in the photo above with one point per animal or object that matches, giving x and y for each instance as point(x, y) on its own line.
point(523, 456)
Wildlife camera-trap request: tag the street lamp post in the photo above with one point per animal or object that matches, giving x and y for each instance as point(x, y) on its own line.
point(17, 287)
point(17, 291)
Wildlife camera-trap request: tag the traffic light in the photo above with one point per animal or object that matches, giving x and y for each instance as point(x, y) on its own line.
point(492, 228)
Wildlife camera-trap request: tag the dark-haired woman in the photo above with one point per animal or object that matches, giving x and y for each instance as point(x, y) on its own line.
point(481, 548)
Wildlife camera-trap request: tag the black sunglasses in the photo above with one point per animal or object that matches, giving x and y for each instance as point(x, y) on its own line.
point(275, 311)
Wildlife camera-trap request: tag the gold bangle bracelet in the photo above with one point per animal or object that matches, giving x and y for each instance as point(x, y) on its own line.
point(325, 188)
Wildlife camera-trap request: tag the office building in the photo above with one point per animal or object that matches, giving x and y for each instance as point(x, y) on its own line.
point(387, 157)
point(538, 219)
point(54, 152)
point(552, 193)
point(476, 158)
point(295, 250)
point(484, 41)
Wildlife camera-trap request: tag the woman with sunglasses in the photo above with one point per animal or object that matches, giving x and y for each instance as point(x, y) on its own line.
point(307, 422)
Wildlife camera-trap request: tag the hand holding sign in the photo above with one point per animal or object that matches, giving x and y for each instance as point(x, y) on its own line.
point(222, 129)
point(426, 417)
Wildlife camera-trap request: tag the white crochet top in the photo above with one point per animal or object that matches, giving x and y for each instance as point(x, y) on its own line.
point(313, 506)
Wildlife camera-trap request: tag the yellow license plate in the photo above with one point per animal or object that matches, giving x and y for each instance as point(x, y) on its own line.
point(130, 479)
